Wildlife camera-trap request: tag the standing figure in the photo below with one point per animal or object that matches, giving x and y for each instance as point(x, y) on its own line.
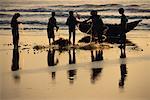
point(97, 27)
point(71, 22)
point(123, 26)
point(50, 29)
point(15, 29)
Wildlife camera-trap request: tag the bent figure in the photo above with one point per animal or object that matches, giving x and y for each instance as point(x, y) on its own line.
point(71, 22)
point(50, 28)
point(15, 29)
point(97, 27)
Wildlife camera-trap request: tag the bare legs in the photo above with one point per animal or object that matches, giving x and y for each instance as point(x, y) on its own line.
point(70, 33)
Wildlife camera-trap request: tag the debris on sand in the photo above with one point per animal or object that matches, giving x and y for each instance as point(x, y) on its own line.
point(39, 47)
point(136, 48)
point(61, 42)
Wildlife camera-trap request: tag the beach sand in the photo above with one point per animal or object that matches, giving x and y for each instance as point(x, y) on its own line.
point(84, 80)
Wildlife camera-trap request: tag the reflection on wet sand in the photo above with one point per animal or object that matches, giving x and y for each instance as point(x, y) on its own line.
point(122, 52)
point(51, 61)
point(72, 60)
point(51, 58)
point(123, 72)
point(15, 63)
point(95, 72)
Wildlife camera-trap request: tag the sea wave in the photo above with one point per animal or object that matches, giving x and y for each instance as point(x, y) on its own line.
point(81, 16)
point(82, 8)
point(39, 16)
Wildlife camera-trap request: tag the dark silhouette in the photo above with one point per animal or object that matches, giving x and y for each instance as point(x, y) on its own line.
point(122, 52)
point(98, 55)
point(95, 74)
point(72, 60)
point(123, 71)
point(72, 74)
point(123, 24)
point(97, 26)
point(53, 75)
point(71, 22)
point(111, 34)
point(96, 71)
point(15, 64)
point(61, 42)
point(50, 29)
point(51, 58)
point(15, 60)
point(15, 29)
point(72, 57)
point(51, 61)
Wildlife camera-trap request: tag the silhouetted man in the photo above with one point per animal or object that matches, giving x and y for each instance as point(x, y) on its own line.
point(15, 29)
point(71, 22)
point(123, 26)
point(50, 29)
point(97, 26)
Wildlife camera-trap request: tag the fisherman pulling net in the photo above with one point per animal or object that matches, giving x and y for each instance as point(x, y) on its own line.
point(97, 28)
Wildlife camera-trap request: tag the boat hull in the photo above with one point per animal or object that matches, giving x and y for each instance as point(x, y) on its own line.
point(112, 34)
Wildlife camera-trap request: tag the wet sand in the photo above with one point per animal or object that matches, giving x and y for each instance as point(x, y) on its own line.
point(81, 78)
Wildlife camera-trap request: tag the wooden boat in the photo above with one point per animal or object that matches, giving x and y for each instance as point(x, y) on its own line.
point(112, 33)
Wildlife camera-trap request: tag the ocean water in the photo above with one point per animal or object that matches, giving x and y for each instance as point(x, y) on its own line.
point(35, 13)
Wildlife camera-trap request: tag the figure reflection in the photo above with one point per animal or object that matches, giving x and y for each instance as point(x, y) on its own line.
point(123, 52)
point(123, 71)
point(98, 55)
point(51, 61)
point(97, 70)
point(15, 60)
point(72, 72)
point(15, 63)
